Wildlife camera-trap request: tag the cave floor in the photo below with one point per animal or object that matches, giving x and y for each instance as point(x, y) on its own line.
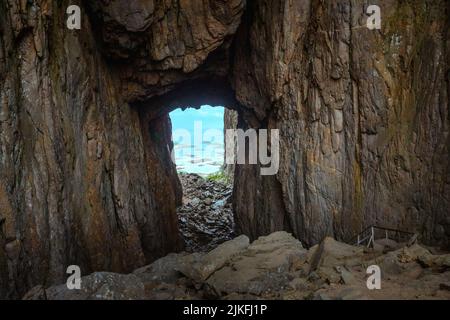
point(276, 266)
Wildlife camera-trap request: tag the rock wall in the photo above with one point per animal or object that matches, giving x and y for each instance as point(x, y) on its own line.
point(363, 117)
point(85, 170)
point(85, 177)
point(230, 121)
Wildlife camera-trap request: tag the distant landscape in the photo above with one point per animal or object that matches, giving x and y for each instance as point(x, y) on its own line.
point(205, 155)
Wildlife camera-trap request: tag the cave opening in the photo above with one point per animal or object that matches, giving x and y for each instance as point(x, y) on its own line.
point(205, 214)
point(198, 139)
point(192, 188)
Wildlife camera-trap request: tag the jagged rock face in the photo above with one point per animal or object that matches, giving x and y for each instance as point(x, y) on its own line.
point(156, 43)
point(230, 120)
point(363, 117)
point(85, 170)
point(85, 178)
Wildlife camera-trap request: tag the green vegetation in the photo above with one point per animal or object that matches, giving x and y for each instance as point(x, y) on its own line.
point(218, 176)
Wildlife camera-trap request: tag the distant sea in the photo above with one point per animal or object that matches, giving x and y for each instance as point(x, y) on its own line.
point(198, 139)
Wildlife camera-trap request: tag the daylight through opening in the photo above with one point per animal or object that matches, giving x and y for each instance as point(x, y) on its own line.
point(206, 214)
point(198, 137)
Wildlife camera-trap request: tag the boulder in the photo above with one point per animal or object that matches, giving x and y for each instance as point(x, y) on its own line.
point(264, 266)
point(389, 264)
point(435, 261)
point(273, 242)
point(387, 244)
point(351, 293)
point(96, 286)
point(347, 277)
point(162, 270)
point(170, 291)
point(331, 254)
point(199, 266)
point(35, 293)
point(445, 286)
point(300, 284)
point(399, 261)
point(412, 253)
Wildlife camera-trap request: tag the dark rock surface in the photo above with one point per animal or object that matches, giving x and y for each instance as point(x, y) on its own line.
point(85, 173)
point(206, 216)
point(363, 118)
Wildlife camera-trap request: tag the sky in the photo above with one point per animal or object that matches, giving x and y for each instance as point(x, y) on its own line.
point(198, 139)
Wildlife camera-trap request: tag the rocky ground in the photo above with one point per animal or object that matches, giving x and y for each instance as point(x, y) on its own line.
point(206, 216)
point(273, 267)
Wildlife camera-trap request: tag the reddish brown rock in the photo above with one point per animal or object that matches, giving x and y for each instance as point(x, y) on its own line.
point(85, 170)
point(363, 117)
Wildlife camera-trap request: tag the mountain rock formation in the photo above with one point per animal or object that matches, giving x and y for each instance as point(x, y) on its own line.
point(85, 170)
